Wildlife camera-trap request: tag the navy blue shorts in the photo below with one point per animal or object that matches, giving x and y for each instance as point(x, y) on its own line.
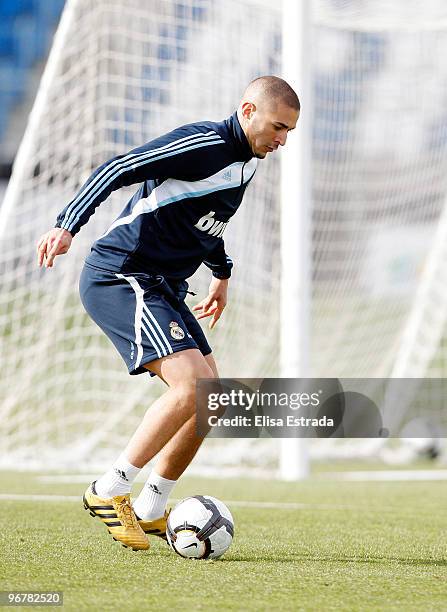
point(144, 315)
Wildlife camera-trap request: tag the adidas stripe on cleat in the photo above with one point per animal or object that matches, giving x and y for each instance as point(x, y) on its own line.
point(156, 527)
point(118, 516)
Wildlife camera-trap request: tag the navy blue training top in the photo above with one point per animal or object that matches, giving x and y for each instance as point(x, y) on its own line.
point(192, 182)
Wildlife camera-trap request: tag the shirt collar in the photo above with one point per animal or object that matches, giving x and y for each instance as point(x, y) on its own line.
point(240, 140)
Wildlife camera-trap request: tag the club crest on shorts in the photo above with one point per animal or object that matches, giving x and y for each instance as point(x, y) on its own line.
point(176, 331)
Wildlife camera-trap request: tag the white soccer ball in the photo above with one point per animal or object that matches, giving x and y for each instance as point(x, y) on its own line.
point(200, 527)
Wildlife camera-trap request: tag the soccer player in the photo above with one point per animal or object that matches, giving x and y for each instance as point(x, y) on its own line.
point(133, 285)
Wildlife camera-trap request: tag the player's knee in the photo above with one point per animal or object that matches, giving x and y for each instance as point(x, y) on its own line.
point(186, 396)
point(186, 389)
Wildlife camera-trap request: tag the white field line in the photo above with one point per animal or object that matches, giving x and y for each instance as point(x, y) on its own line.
point(32, 498)
point(229, 502)
point(365, 476)
point(391, 475)
point(242, 504)
point(74, 478)
point(355, 476)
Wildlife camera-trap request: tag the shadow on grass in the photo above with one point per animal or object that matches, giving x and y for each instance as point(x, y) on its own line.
point(289, 558)
point(278, 557)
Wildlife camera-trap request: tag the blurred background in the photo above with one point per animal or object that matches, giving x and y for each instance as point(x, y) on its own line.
point(121, 73)
point(26, 30)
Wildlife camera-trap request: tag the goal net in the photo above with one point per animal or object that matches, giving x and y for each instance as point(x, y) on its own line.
point(121, 73)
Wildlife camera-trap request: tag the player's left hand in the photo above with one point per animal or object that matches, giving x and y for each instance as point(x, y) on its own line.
point(215, 301)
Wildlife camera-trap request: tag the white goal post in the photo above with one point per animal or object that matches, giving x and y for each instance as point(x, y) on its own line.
point(296, 212)
point(340, 261)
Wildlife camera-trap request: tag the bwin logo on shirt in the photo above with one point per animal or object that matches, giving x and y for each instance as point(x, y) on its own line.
point(211, 226)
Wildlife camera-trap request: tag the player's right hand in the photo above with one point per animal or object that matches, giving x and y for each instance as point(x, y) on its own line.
point(55, 242)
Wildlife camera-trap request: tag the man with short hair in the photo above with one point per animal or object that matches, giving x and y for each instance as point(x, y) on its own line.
point(133, 285)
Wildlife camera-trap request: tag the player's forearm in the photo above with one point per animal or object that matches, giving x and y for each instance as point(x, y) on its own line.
point(107, 178)
point(219, 262)
point(219, 287)
point(221, 272)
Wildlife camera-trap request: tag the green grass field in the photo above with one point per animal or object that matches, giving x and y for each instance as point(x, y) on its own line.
point(336, 546)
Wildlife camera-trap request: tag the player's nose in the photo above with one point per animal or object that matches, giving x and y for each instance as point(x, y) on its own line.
point(281, 138)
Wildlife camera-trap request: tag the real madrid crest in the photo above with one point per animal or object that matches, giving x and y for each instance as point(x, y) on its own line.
point(176, 331)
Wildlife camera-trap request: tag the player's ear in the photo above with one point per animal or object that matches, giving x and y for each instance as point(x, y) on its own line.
point(248, 108)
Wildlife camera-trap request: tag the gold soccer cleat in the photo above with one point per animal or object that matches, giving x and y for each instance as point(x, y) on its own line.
point(156, 527)
point(118, 516)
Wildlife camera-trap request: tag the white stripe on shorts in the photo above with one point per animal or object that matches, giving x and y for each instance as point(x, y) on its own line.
point(152, 335)
point(148, 334)
point(162, 334)
point(139, 293)
point(146, 322)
